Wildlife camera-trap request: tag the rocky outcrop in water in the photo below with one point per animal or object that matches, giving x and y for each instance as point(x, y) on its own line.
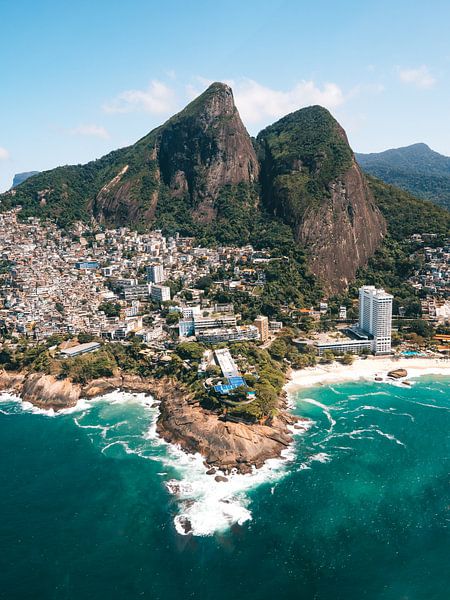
point(397, 373)
point(224, 444)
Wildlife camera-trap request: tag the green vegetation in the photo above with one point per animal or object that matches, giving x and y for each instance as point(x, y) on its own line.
point(416, 169)
point(84, 368)
point(406, 215)
point(268, 384)
point(111, 309)
point(300, 155)
point(394, 262)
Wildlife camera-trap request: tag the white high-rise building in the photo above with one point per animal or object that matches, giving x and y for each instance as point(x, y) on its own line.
point(155, 273)
point(160, 293)
point(375, 317)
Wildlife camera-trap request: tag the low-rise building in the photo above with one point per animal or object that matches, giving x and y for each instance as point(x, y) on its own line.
point(80, 349)
point(238, 333)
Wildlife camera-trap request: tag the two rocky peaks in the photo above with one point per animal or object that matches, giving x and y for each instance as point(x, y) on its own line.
point(300, 170)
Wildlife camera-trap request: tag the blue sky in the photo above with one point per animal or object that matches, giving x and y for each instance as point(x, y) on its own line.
point(78, 79)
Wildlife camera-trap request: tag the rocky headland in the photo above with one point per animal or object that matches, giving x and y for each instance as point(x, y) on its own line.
point(225, 444)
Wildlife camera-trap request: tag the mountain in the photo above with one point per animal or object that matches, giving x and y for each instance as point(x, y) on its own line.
point(176, 172)
point(296, 189)
point(311, 180)
point(417, 169)
point(21, 177)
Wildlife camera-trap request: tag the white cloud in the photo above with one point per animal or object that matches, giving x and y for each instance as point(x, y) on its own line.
point(4, 154)
point(90, 130)
point(257, 102)
point(156, 99)
point(420, 77)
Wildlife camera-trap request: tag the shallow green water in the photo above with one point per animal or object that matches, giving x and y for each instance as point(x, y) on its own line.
point(362, 510)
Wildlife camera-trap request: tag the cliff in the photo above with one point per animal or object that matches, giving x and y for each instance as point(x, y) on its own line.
point(311, 180)
point(21, 177)
point(225, 445)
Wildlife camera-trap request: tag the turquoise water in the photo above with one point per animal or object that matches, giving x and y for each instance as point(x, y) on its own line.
point(90, 503)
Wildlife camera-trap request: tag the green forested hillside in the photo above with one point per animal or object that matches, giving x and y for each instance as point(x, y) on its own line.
point(406, 214)
point(417, 169)
point(394, 261)
point(198, 174)
point(300, 155)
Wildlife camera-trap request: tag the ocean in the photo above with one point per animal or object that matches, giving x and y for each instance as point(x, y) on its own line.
point(94, 506)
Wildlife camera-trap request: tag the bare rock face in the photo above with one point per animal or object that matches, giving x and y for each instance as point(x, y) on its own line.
point(194, 171)
point(204, 148)
point(191, 157)
point(47, 392)
point(224, 444)
point(11, 381)
point(342, 233)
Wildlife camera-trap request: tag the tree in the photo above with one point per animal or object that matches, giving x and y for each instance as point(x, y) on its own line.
point(278, 349)
point(111, 309)
point(327, 356)
point(348, 359)
point(173, 317)
point(204, 283)
point(190, 351)
point(84, 337)
point(421, 328)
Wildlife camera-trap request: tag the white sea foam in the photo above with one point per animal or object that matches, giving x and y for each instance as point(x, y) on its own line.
point(208, 506)
point(389, 436)
point(205, 506)
point(368, 394)
point(324, 408)
point(428, 405)
point(322, 457)
point(9, 397)
point(388, 411)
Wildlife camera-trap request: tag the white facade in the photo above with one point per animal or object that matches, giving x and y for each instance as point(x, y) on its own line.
point(375, 317)
point(155, 273)
point(160, 293)
point(190, 312)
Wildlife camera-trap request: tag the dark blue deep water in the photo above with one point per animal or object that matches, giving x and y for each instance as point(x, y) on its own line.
point(90, 504)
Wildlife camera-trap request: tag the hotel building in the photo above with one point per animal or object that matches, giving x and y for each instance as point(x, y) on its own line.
point(375, 317)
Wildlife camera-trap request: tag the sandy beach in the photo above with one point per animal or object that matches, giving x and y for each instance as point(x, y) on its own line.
point(366, 369)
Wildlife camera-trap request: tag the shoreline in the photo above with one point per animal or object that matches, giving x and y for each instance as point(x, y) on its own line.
point(224, 444)
point(365, 370)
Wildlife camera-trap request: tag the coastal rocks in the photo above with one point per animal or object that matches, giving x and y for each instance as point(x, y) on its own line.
point(225, 445)
point(47, 392)
point(397, 373)
point(99, 387)
point(127, 382)
point(11, 381)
